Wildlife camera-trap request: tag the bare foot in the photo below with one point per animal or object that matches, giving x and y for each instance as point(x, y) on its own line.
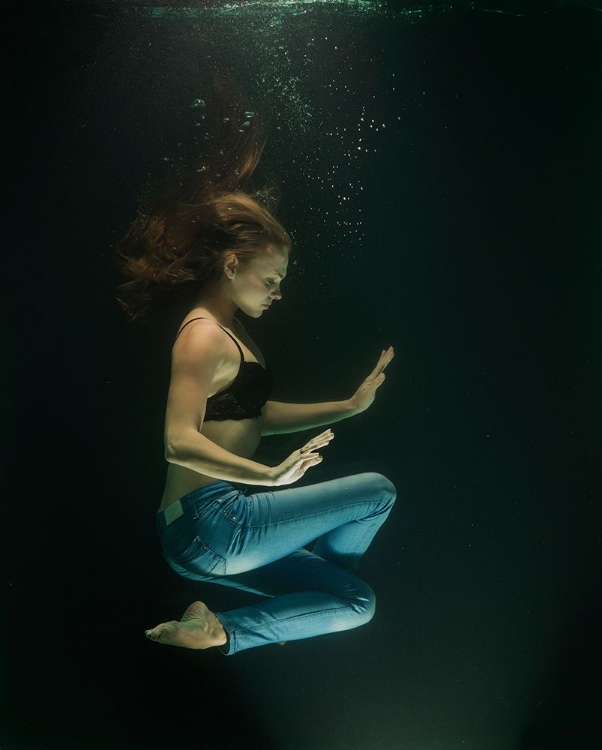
point(198, 628)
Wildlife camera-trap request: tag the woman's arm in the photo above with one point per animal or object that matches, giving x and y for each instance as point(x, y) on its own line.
point(195, 451)
point(278, 417)
point(200, 357)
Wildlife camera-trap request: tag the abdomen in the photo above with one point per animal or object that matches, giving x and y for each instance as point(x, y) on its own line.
point(240, 437)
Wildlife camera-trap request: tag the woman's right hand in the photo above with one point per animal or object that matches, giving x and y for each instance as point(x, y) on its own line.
point(295, 466)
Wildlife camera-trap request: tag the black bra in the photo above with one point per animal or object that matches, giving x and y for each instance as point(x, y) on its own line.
point(245, 396)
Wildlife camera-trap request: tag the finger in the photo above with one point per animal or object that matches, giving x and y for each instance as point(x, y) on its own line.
point(386, 357)
point(313, 461)
point(376, 370)
point(383, 361)
point(323, 439)
point(319, 442)
point(328, 435)
point(314, 458)
point(325, 434)
point(307, 464)
point(305, 452)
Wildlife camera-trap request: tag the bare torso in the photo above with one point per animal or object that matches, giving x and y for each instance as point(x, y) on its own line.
point(240, 437)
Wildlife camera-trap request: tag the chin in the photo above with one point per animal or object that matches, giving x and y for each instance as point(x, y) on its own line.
point(252, 313)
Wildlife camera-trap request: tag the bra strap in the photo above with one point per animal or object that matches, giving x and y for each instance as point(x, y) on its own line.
point(242, 358)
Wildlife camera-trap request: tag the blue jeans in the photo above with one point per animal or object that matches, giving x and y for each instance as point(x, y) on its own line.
point(225, 534)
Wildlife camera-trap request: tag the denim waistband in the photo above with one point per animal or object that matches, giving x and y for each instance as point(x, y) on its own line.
point(188, 503)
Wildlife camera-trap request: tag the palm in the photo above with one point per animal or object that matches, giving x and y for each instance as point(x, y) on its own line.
point(295, 466)
point(366, 393)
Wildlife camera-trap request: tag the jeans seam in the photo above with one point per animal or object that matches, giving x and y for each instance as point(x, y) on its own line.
point(309, 616)
point(308, 515)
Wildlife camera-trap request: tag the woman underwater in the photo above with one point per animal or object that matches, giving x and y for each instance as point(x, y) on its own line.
point(212, 244)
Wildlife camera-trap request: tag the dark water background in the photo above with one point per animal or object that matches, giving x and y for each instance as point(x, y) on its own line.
point(463, 228)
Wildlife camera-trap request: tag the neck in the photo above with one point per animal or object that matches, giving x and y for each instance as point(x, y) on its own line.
point(217, 304)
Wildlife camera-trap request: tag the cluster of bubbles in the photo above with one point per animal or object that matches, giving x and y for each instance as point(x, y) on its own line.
point(352, 8)
point(201, 105)
point(293, 57)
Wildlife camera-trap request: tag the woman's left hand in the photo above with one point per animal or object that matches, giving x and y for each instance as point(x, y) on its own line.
point(365, 394)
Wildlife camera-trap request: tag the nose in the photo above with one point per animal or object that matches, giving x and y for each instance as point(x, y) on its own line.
point(276, 294)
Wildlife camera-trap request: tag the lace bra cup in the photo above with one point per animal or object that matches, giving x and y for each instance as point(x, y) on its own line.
point(245, 396)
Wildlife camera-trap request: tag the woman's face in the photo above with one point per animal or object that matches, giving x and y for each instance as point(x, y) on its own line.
point(255, 284)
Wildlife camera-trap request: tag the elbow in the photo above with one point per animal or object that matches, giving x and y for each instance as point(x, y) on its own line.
point(181, 445)
point(172, 452)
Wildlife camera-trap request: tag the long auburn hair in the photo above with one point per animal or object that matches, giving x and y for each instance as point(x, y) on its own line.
point(178, 238)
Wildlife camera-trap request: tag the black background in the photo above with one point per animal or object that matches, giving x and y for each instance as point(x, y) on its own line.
point(478, 258)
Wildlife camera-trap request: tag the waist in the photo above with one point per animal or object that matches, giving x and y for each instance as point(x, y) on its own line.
point(239, 438)
point(188, 503)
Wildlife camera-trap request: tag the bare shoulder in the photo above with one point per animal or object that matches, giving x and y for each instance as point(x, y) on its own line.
point(200, 339)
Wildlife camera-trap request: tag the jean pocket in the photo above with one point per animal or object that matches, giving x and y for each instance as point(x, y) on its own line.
point(195, 554)
point(234, 508)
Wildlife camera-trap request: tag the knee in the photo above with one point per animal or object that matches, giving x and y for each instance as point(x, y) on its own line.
point(364, 605)
point(383, 487)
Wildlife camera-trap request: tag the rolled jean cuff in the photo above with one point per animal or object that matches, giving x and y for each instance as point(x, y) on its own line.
point(230, 646)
